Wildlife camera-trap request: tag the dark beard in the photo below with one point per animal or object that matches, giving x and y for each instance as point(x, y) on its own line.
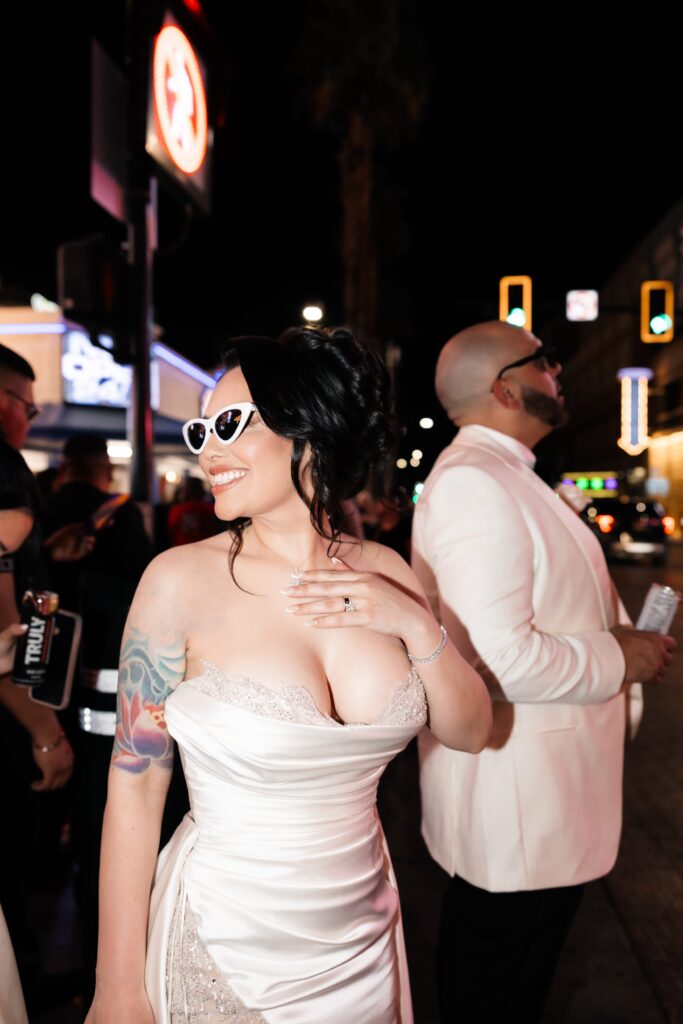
point(544, 407)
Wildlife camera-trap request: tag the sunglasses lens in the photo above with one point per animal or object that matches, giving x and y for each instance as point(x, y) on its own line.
point(227, 425)
point(196, 432)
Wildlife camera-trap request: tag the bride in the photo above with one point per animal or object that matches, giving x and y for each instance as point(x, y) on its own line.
point(276, 655)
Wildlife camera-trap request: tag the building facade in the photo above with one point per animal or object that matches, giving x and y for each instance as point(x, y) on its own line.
point(600, 349)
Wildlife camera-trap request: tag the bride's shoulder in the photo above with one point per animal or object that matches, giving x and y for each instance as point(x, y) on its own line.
point(177, 567)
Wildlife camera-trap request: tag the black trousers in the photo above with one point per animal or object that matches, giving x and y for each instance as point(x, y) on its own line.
point(498, 951)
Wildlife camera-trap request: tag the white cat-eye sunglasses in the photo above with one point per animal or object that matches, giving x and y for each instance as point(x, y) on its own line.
point(227, 425)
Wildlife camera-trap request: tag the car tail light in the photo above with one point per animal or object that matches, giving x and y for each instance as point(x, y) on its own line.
point(669, 524)
point(605, 523)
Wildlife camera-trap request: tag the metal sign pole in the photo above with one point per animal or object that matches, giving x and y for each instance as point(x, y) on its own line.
point(140, 250)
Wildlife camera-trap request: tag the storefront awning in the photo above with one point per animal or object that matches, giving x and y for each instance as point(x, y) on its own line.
point(59, 422)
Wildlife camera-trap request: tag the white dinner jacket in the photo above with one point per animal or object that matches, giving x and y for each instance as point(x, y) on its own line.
point(522, 586)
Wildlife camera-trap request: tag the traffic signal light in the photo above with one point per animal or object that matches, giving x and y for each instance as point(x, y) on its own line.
point(515, 308)
point(656, 311)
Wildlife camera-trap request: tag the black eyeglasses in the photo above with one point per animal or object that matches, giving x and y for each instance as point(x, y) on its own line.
point(31, 409)
point(545, 356)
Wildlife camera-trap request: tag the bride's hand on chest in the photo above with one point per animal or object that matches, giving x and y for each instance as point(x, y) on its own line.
point(344, 597)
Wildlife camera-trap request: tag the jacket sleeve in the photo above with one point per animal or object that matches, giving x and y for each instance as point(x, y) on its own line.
point(634, 691)
point(470, 542)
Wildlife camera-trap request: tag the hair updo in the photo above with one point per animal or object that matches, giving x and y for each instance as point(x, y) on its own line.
point(331, 396)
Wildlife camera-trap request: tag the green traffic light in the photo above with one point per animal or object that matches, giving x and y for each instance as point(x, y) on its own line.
point(516, 317)
point(661, 324)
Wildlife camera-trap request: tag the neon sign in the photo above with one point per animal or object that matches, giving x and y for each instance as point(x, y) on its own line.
point(634, 426)
point(90, 374)
point(180, 100)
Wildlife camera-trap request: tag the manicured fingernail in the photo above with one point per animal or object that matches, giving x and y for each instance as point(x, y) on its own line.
point(291, 610)
point(310, 622)
point(337, 561)
point(287, 591)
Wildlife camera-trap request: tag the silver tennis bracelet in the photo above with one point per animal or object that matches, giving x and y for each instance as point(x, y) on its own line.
point(435, 653)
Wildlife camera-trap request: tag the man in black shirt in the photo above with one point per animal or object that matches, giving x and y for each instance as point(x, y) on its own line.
point(121, 548)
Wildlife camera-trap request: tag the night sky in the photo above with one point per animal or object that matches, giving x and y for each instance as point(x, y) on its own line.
point(550, 154)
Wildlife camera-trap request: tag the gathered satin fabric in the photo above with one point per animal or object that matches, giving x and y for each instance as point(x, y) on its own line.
point(281, 864)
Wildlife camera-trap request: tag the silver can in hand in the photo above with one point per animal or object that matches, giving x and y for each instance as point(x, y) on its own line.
point(659, 609)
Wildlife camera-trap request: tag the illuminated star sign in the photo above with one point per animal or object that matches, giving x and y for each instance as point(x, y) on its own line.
point(180, 100)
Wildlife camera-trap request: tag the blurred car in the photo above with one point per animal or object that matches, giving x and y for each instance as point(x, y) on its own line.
point(630, 528)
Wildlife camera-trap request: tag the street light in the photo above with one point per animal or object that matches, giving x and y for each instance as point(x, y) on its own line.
point(401, 463)
point(426, 423)
point(312, 314)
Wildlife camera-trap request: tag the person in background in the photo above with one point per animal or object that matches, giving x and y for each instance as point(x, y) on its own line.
point(522, 586)
point(35, 756)
point(47, 481)
point(119, 543)
point(17, 407)
point(12, 1007)
point(191, 517)
point(385, 522)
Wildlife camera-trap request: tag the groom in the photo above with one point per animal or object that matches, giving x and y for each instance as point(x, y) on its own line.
point(521, 584)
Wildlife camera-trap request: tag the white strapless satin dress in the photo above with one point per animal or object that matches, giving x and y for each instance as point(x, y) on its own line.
point(275, 901)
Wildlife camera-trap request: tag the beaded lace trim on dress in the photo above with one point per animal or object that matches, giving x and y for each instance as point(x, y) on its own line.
point(198, 991)
point(291, 703)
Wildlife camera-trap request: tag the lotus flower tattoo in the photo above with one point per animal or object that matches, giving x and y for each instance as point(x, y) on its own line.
point(146, 678)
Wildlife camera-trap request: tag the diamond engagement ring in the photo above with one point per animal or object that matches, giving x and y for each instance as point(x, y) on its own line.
point(349, 605)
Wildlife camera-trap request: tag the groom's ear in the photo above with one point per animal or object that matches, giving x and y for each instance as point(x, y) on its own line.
point(504, 393)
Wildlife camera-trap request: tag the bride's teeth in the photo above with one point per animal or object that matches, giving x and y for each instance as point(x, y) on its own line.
point(226, 478)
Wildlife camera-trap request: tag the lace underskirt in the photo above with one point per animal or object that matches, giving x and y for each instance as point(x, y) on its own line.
point(407, 705)
point(198, 992)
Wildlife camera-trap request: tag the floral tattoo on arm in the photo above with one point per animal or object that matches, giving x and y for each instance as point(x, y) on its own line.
point(147, 675)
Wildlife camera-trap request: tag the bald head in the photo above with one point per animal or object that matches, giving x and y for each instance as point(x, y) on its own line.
point(471, 360)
